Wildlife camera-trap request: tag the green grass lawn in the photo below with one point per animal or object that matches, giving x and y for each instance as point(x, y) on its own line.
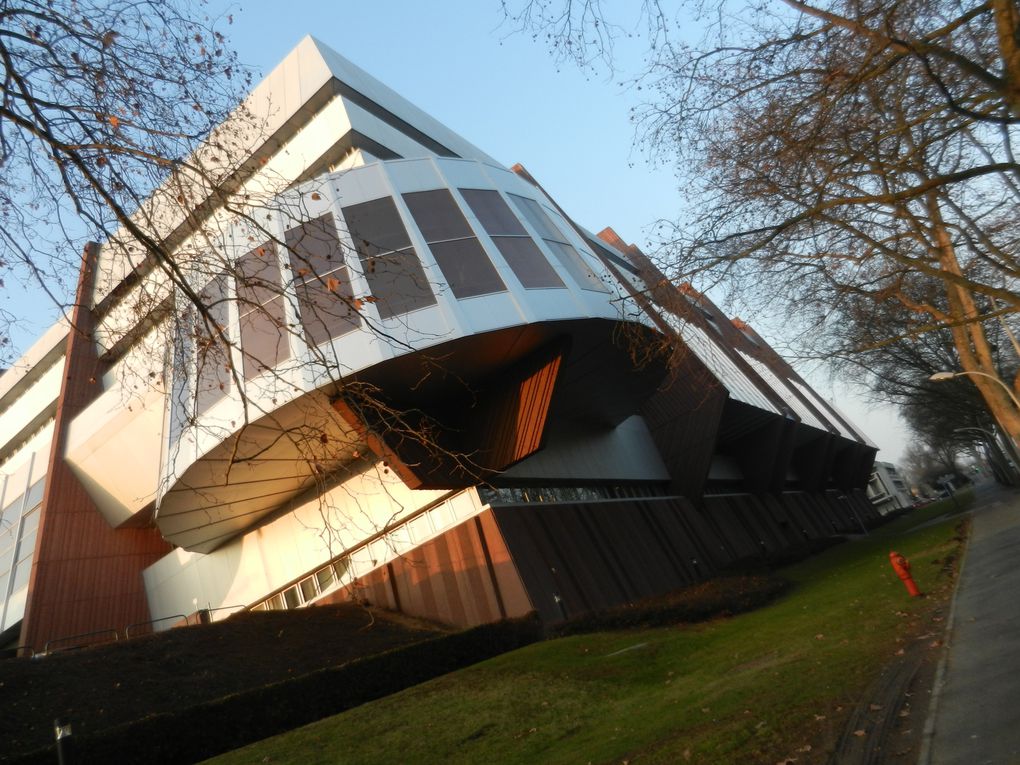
point(758, 687)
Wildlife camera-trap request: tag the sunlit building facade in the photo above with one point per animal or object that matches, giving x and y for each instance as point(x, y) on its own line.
point(417, 381)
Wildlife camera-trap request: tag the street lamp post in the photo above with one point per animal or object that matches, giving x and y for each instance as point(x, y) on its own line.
point(940, 376)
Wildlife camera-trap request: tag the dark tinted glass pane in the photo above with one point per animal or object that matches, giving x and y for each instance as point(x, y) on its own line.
point(258, 277)
point(536, 216)
point(576, 267)
point(397, 282)
point(213, 354)
point(376, 227)
point(467, 268)
point(437, 215)
point(314, 248)
point(528, 262)
point(495, 214)
point(326, 307)
point(264, 338)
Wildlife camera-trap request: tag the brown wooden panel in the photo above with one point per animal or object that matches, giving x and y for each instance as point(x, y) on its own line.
point(463, 577)
point(86, 576)
point(456, 443)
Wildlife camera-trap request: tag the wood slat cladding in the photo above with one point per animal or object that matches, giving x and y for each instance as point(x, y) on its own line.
point(464, 577)
point(683, 417)
point(86, 576)
point(457, 443)
point(574, 558)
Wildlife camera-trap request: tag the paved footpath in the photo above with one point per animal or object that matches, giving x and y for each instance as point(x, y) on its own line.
point(975, 715)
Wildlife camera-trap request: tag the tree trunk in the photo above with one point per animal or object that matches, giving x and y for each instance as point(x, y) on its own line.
point(969, 339)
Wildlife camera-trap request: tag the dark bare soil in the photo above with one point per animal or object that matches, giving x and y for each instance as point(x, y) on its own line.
point(104, 686)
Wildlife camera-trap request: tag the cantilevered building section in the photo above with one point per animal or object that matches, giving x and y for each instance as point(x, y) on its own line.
point(415, 381)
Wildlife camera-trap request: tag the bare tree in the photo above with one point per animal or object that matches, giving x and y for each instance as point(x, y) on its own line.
point(835, 152)
point(101, 101)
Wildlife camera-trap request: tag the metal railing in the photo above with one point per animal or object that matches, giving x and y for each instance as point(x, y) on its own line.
point(48, 647)
point(150, 624)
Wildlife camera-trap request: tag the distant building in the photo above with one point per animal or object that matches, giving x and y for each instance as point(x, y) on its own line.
point(887, 490)
point(558, 472)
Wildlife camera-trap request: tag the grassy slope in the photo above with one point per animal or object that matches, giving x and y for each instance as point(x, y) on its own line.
point(754, 688)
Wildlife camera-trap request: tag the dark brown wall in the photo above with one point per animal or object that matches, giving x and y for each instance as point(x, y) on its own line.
point(464, 577)
point(86, 576)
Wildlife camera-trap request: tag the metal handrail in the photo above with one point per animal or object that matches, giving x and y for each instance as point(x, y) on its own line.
point(151, 622)
point(46, 647)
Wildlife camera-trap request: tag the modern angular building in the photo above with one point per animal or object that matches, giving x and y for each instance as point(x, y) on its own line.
point(887, 490)
point(382, 365)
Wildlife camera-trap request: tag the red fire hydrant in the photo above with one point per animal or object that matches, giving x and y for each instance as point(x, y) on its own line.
point(902, 568)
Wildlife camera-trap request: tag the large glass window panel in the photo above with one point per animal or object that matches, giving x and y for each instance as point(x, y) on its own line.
point(314, 247)
point(212, 358)
point(568, 257)
point(321, 281)
point(467, 268)
point(260, 306)
point(391, 267)
point(535, 215)
point(494, 214)
point(327, 307)
point(527, 262)
point(397, 282)
point(375, 227)
point(264, 338)
point(437, 215)
point(572, 261)
point(258, 276)
point(463, 261)
point(459, 255)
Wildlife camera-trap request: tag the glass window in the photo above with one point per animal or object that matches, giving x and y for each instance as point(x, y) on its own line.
point(291, 597)
point(558, 243)
point(35, 494)
point(212, 346)
point(517, 247)
point(6, 555)
point(321, 280)
point(30, 522)
point(493, 213)
point(9, 517)
point(437, 215)
point(22, 572)
point(325, 578)
point(458, 254)
point(260, 307)
point(308, 589)
point(528, 262)
point(390, 265)
point(276, 603)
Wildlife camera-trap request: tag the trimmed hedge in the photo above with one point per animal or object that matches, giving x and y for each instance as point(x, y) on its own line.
point(214, 727)
point(723, 596)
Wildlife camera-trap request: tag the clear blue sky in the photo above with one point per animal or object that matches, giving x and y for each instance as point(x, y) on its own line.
point(504, 92)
